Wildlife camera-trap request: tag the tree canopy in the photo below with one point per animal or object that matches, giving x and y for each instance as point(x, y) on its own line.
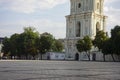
point(57, 46)
point(30, 43)
point(84, 45)
point(99, 39)
point(6, 46)
point(115, 37)
point(109, 46)
point(45, 42)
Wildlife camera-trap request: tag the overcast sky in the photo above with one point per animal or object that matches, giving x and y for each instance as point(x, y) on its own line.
point(45, 16)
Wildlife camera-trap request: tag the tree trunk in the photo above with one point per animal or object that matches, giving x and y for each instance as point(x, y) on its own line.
point(118, 57)
point(33, 57)
point(19, 57)
point(113, 57)
point(11, 57)
point(26, 57)
point(88, 55)
point(41, 56)
point(104, 57)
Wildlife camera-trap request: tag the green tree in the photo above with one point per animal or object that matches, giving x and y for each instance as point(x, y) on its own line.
point(57, 46)
point(88, 45)
point(21, 45)
point(115, 32)
point(80, 45)
point(99, 40)
point(29, 41)
point(45, 43)
point(14, 45)
point(115, 37)
point(6, 46)
point(85, 44)
point(24, 44)
point(108, 48)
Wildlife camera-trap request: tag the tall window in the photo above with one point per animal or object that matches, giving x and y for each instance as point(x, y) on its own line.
point(98, 5)
point(79, 5)
point(97, 27)
point(86, 27)
point(78, 29)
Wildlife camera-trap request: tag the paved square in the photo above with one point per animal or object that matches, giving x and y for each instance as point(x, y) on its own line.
point(59, 70)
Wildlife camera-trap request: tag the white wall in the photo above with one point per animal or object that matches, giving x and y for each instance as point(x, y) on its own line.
point(57, 56)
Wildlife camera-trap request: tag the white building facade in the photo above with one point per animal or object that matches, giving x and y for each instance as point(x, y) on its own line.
point(86, 18)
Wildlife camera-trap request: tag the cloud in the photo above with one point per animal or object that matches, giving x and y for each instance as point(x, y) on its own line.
point(29, 6)
point(42, 25)
point(109, 1)
point(46, 4)
point(112, 10)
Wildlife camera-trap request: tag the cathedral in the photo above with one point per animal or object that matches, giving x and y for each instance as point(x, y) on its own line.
point(85, 19)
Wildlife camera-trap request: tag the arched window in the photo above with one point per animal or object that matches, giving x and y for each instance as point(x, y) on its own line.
point(78, 29)
point(97, 27)
point(79, 5)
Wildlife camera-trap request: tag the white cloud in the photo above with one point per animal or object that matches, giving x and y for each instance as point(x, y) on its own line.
point(109, 1)
point(112, 11)
point(46, 4)
point(29, 6)
point(52, 26)
point(42, 25)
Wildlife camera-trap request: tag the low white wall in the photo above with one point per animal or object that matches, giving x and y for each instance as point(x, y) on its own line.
point(57, 56)
point(98, 56)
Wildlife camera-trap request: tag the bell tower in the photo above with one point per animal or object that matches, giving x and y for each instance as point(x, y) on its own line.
point(81, 6)
point(86, 18)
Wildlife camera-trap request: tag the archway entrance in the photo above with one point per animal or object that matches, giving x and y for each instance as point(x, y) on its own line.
point(94, 57)
point(77, 57)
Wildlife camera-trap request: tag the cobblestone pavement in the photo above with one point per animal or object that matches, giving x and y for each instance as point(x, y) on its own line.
point(59, 70)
